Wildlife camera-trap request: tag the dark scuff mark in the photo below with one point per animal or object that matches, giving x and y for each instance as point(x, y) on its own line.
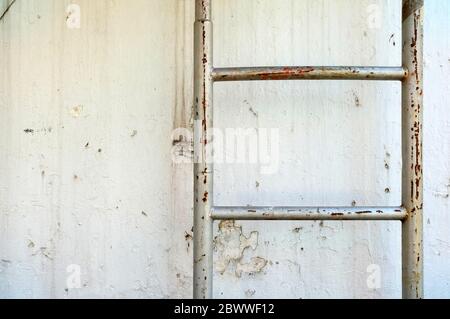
point(357, 101)
point(7, 9)
point(253, 112)
point(45, 130)
point(188, 238)
point(366, 212)
point(391, 38)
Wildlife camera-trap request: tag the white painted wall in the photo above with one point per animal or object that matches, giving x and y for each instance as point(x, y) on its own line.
point(437, 149)
point(122, 82)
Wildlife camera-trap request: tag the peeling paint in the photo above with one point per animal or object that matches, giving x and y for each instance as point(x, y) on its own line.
point(230, 246)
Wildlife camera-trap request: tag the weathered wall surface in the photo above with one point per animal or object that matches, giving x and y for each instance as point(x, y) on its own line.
point(86, 177)
point(86, 122)
point(437, 149)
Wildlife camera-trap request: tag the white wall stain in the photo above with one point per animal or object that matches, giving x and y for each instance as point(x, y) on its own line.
point(436, 150)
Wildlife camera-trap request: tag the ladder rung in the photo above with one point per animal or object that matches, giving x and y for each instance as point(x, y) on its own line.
point(309, 73)
point(308, 213)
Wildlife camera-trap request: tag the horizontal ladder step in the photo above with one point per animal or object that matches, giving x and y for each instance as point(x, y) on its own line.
point(308, 213)
point(309, 73)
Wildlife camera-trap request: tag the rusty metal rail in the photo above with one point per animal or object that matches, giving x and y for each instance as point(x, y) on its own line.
point(309, 73)
point(308, 213)
point(411, 212)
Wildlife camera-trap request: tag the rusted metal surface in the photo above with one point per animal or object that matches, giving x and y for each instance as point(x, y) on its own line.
point(203, 10)
point(412, 91)
point(409, 7)
point(308, 213)
point(203, 85)
point(310, 73)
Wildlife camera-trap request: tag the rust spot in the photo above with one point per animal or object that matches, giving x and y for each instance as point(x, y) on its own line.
point(286, 73)
point(417, 188)
point(205, 197)
point(205, 176)
point(204, 104)
point(337, 214)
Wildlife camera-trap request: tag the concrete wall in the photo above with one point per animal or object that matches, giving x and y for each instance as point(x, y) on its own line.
point(86, 177)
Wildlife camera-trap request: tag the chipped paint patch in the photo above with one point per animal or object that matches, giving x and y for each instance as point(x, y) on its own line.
point(231, 244)
point(76, 111)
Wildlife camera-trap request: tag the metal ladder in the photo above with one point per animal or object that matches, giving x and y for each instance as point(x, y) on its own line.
point(410, 213)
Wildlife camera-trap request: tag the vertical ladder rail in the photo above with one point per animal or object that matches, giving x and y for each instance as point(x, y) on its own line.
point(203, 168)
point(412, 180)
